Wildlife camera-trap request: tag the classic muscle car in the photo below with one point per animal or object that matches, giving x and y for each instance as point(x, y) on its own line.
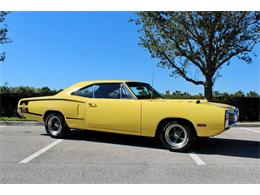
point(129, 107)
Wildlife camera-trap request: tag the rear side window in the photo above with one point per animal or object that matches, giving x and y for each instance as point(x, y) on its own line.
point(85, 92)
point(107, 90)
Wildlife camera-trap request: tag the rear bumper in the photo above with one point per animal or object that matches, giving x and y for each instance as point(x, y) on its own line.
point(19, 111)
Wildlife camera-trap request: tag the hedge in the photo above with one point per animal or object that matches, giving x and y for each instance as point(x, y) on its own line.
point(249, 106)
point(9, 101)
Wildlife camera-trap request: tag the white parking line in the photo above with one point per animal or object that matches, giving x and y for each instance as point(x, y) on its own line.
point(196, 158)
point(252, 130)
point(36, 154)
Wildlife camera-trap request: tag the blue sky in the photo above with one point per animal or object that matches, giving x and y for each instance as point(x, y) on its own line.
point(58, 49)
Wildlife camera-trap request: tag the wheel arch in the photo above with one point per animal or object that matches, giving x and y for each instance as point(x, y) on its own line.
point(52, 111)
point(165, 121)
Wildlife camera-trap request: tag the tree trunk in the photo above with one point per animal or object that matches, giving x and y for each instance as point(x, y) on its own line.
point(208, 89)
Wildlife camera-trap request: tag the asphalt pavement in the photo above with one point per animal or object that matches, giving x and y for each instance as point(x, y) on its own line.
point(28, 155)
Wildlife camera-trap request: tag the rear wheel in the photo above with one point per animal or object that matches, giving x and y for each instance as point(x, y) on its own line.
point(56, 126)
point(177, 137)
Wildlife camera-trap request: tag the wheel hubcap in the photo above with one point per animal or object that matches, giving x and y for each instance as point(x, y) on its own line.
point(54, 125)
point(176, 136)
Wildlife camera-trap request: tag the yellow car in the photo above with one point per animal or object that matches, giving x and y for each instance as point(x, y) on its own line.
point(129, 107)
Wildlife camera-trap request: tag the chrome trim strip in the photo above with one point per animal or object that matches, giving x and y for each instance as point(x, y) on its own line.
point(130, 91)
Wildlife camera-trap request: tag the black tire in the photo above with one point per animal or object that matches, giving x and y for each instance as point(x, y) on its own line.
point(177, 137)
point(56, 126)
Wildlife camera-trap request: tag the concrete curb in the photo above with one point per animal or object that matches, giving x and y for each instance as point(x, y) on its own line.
point(255, 124)
point(34, 123)
point(21, 123)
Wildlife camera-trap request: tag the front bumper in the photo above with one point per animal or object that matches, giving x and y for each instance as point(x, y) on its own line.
point(231, 117)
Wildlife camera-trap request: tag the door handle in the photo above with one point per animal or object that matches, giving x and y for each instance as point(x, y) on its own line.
point(92, 105)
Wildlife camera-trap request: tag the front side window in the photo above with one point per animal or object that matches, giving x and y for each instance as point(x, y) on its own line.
point(143, 90)
point(125, 94)
point(104, 90)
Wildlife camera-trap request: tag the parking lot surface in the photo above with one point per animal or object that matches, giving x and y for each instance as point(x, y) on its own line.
point(28, 155)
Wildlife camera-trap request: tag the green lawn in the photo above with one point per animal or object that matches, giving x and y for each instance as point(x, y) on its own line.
point(12, 119)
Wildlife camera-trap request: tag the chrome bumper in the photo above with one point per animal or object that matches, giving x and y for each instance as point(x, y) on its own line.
point(19, 111)
point(231, 117)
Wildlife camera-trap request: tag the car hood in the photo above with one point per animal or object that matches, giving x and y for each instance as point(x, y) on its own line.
point(194, 101)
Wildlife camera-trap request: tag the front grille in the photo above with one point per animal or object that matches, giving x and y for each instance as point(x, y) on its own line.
point(231, 119)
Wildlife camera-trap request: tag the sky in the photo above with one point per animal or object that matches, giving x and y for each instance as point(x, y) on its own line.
point(58, 49)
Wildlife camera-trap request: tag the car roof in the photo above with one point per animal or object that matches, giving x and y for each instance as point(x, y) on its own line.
point(85, 83)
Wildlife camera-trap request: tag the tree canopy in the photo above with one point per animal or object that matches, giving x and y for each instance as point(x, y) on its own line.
point(3, 33)
point(195, 45)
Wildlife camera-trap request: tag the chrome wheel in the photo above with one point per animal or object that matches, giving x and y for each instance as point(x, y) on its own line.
point(176, 136)
point(54, 125)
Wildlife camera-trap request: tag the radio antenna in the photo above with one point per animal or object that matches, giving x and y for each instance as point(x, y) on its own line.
point(152, 85)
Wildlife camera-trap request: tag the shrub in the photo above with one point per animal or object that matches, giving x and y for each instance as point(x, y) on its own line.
point(10, 96)
point(248, 104)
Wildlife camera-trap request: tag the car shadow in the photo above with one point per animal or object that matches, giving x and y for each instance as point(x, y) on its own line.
point(210, 146)
point(113, 138)
point(228, 147)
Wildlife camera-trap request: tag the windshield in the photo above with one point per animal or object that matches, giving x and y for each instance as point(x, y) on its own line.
point(143, 90)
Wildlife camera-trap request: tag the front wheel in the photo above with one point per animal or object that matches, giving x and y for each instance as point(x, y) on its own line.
point(177, 137)
point(56, 126)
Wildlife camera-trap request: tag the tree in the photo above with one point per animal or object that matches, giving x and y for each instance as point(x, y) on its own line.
point(3, 33)
point(45, 90)
point(252, 94)
point(198, 44)
point(239, 94)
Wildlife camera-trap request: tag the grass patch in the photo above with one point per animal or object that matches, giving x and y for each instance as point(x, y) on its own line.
point(12, 119)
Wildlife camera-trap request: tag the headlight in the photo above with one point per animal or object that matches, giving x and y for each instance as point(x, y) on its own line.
point(226, 119)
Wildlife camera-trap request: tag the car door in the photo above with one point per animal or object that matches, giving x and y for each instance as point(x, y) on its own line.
point(113, 109)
